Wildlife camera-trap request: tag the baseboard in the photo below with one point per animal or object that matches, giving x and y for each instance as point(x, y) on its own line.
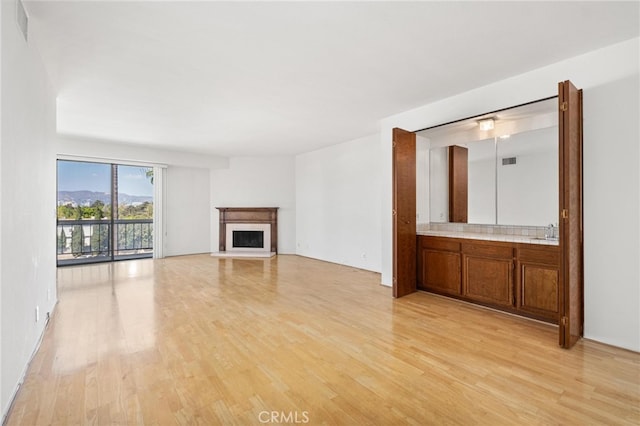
point(12, 400)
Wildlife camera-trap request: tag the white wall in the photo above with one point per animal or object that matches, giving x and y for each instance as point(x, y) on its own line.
point(611, 289)
point(2, 403)
point(422, 180)
point(612, 211)
point(187, 211)
point(439, 185)
point(528, 190)
point(27, 189)
point(257, 182)
point(337, 204)
point(482, 191)
point(109, 150)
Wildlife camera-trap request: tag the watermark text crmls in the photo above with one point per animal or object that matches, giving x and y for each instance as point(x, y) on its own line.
point(283, 417)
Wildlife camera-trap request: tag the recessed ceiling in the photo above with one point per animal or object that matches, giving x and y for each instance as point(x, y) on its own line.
point(266, 78)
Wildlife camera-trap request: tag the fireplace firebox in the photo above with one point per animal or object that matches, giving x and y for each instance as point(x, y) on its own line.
point(248, 239)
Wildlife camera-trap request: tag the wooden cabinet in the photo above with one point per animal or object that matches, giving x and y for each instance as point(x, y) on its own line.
point(439, 266)
point(538, 292)
point(515, 277)
point(441, 272)
point(488, 273)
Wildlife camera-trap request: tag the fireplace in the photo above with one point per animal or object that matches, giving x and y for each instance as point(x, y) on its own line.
point(248, 230)
point(248, 237)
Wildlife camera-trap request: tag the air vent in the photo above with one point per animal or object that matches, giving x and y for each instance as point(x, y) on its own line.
point(508, 161)
point(22, 19)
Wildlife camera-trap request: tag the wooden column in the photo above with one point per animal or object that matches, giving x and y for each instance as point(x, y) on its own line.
point(458, 183)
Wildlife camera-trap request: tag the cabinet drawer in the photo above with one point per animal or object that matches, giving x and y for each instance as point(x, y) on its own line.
point(493, 251)
point(436, 243)
point(543, 255)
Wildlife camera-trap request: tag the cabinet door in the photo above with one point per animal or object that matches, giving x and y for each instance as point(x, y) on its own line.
point(488, 280)
point(404, 212)
point(441, 271)
point(539, 290)
point(539, 281)
point(571, 279)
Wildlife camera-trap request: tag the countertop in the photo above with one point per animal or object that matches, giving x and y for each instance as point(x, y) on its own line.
point(490, 237)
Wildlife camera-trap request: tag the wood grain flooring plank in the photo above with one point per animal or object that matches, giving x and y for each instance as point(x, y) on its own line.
point(200, 340)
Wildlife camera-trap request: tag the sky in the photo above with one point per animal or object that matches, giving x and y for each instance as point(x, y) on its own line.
point(78, 176)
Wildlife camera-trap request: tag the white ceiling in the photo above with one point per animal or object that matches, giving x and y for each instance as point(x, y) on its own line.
point(262, 78)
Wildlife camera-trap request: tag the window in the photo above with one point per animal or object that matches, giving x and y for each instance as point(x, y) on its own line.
point(104, 211)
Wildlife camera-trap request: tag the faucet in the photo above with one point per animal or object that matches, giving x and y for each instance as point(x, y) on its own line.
point(551, 232)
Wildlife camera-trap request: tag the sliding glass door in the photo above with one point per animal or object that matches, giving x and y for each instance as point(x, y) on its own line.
point(105, 212)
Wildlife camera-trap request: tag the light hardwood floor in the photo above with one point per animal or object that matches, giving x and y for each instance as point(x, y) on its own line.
point(199, 340)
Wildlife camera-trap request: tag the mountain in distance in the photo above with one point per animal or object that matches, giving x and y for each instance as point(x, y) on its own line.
point(86, 198)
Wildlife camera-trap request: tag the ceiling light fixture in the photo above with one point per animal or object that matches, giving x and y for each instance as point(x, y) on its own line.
point(486, 124)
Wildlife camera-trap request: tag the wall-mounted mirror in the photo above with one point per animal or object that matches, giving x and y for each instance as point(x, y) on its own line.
point(510, 158)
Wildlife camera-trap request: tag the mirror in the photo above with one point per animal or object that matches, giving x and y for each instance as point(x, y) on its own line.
point(511, 167)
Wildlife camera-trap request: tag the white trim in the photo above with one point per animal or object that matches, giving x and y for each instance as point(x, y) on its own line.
point(87, 159)
point(12, 399)
point(159, 195)
point(4, 409)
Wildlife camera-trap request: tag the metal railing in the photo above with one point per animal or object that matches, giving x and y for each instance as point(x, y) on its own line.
point(84, 241)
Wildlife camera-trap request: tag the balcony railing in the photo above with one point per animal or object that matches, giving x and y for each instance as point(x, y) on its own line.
point(84, 241)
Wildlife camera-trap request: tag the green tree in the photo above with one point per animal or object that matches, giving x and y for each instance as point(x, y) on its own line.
point(140, 211)
point(147, 236)
point(66, 211)
point(98, 209)
point(148, 172)
point(87, 212)
point(100, 238)
point(62, 241)
point(148, 209)
point(77, 240)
